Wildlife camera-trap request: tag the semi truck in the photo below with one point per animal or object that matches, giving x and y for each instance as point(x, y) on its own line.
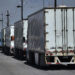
point(3, 38)
point(21, 38)
point(9, 40)
point(51, 36)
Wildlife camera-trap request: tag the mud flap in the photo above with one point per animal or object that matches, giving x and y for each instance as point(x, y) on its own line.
point(37, 58)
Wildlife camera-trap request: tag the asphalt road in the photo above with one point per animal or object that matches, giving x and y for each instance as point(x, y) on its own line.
point(12, 66)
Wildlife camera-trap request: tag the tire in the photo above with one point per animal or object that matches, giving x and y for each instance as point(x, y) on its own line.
point(31, 57)
point(21, 54)
point(27, 56)
point(16, 53)
point(42, 60)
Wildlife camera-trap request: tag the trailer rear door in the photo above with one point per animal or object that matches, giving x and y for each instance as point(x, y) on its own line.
point(60, 29)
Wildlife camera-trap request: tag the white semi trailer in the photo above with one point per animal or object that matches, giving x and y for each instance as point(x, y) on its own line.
point(51, 36)
point(21, 38)
point(9, 39)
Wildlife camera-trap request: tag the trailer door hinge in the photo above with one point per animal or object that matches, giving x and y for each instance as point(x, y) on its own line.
point(47, 41)
point(46, 11)
point(46, 32)
point(46, 24)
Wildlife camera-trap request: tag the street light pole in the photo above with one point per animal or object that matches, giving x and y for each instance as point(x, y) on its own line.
point(43, 3)
point(55, 3)
point(62, 2)
point(21, 6)
point(22, 9)
point(8, 17)
point(2, 20)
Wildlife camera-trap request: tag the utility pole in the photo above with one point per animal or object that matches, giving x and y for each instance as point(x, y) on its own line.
point(8, 17)
point(55, 3)
point(2, 20)
point(21, 6)
point(62, 2)
point(43, 4)
point(22, 9)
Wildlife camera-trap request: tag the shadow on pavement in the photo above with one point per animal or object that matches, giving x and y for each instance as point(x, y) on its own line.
point(1, 51)
point(49, 67)
point(52, 67)
point(18, 58)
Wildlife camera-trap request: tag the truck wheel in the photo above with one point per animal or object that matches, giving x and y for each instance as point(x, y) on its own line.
point(21, 54)
point(31, 57)
point(42, 60)
point(16, 53)
point(5, 50)
point(36, 58)
point(9, 53)
point(27, 56)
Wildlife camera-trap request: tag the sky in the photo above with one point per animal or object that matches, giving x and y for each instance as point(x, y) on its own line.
point(30, 6)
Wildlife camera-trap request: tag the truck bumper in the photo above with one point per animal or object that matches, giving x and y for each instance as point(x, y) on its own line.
point(64, 60)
